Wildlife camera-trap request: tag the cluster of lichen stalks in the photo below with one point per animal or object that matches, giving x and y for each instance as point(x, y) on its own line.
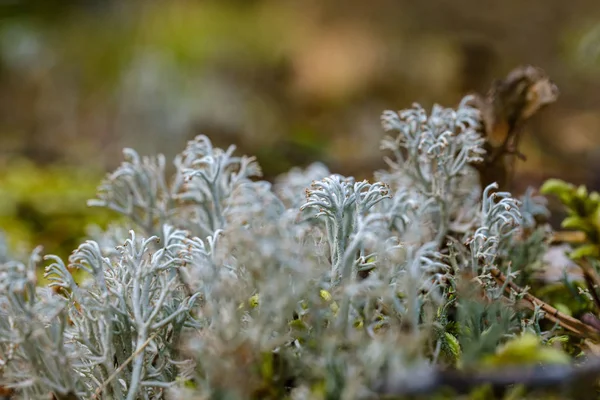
point(221, 285)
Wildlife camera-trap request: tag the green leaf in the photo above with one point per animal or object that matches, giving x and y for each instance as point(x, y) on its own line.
point(298, 324)
point(586, 250)
point(576, 222)
point(325, 295)
point(266, 367)
point(253, 301)
point(524, 350)
point(591, 204)
point(558, 188)
point(558, 339)
point(581, 192)
point(453, 344)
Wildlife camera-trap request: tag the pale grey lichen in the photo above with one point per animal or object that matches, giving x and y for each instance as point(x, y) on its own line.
point(432, 153)
point(226, 284)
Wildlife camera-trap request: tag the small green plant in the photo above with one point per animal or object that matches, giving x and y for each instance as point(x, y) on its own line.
point(583, 215)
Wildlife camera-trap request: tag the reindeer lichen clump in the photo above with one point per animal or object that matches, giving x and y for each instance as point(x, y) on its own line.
point(319, 286)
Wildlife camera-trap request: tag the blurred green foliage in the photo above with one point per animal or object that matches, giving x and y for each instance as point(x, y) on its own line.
point(583, 214)
point(47, 206)
point(526, 349)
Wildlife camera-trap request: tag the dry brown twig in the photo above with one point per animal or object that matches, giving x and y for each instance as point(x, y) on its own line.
point(572, 237)
point(569, 323)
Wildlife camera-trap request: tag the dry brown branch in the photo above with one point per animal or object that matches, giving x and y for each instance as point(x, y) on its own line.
point(569, 323)
point(573, 237)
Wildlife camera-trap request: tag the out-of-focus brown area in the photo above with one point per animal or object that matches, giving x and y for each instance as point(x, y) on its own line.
point(288, 81)
point(504, 110)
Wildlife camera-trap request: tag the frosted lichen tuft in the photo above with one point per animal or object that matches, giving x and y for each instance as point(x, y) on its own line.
point(220, 285)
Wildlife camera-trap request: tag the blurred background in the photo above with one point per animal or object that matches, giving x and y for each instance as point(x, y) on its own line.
point(288, 81)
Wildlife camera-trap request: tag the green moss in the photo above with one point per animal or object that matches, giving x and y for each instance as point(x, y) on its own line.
point(47, 206)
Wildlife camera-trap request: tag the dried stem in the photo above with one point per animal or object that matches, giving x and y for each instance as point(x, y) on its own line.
point(571, 324)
